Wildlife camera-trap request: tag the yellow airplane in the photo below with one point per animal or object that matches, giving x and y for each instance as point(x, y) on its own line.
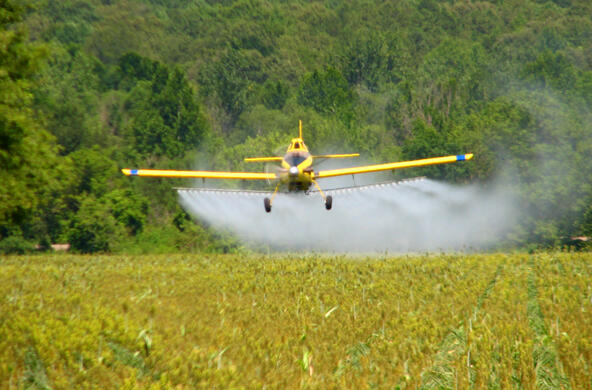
point(296, 171)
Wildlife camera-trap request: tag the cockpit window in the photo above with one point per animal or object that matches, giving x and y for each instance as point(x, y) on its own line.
point(294, 160)
point(296, 145)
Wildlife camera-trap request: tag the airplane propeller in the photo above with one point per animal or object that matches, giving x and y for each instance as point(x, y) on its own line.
point(275, 169)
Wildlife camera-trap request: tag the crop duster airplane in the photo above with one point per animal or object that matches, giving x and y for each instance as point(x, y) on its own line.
point(296, 171)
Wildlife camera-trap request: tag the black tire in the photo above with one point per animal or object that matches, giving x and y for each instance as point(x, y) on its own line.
point(267, 204)
point(329, 202)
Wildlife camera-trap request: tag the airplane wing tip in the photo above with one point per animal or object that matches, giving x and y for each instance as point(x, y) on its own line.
point(129, 172)
point(463, 157)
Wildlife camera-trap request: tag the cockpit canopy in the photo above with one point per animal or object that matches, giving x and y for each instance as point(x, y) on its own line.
point(297, 152)
point(297, 144)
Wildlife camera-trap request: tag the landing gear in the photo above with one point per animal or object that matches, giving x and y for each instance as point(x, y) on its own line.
point(267, 201)
point(267, 204)
point(328, 202)
point(328, 199)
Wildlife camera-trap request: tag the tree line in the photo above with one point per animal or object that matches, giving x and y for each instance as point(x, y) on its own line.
point(91, 86)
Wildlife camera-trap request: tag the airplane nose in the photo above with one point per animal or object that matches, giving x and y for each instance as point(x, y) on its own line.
point(293, 171)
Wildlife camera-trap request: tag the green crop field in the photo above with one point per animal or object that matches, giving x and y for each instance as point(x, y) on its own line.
point(287, 321)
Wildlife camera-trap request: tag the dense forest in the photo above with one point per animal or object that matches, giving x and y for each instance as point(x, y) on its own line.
point(91, 86)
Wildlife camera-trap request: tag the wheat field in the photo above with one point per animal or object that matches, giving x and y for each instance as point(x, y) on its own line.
point(492, 321)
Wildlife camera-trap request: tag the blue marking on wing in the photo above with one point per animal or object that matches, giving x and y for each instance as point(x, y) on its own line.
point(460, 157)
point(134, 172)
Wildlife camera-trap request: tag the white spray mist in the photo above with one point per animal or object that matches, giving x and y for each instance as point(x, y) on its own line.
point(411, 216)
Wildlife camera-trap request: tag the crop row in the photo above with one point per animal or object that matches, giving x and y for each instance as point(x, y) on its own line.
point(446, 321)
point(564, 287)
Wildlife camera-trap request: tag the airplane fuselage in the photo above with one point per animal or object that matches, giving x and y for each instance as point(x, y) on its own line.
point(297, 172)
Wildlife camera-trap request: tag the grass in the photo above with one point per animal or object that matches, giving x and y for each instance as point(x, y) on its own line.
point(287, 321)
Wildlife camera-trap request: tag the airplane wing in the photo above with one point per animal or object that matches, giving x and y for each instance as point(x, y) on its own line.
point(392, 166)
point(337, 155)
point(200, 174)
point(263, 159)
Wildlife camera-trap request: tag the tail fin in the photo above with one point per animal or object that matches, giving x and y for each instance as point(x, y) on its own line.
point(300, 128)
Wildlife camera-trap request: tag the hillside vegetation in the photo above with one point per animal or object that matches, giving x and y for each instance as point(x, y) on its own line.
point(91, 86)
point(225, 321)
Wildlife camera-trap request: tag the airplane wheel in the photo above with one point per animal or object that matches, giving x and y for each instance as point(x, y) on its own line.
point(267, 204)
point(329, 202)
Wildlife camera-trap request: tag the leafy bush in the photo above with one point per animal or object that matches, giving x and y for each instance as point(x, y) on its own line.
point(15, 245)
point(129, 209)
point(94, 227)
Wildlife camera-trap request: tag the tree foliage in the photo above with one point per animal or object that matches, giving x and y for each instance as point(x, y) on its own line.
point(165, 117)
point(98, 85)
point(94, 228)
point(27, 152)
point(328, 93)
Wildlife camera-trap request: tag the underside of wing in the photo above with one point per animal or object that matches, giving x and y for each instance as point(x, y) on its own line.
point(199, 174)
point(223, 191)
point(350, 189)
point(392, 166)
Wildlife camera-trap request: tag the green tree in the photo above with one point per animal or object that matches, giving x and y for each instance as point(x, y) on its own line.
point(165, 118)
point(449, 81)
point(92, 170)
point(27, 152)
point(426, 142)
point(229, 81)
point(93, 228)
point(70, 20)
point(129, 208)
point(327, 92)
point(587, 221)
point(15, 245)
point(124, 26)
point(275, 94)
point(133, 67)
point(369, 59)
point(68, 97)
point(552, 69)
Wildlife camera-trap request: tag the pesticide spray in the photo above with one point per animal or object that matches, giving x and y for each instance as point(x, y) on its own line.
point(409, 216)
